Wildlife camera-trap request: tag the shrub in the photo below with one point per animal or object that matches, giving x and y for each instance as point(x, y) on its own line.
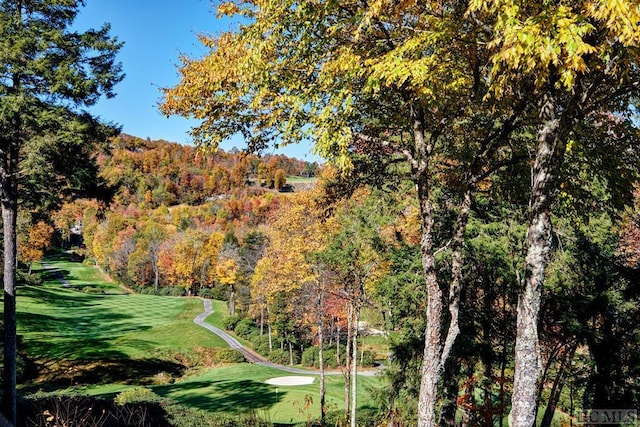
point(280, 357)
point(245, 328)
point(174, 291)
point(368, 358)
point(216, 292)
point(211, 356)
point(145, 290)
point(310, 357)
point(330, 357)
point(70, 410)
point(30, 279)
point(206, 293)
point(229, 355)
point(261, 344)
point(135, 395)
point(230, 322)
point(92, 290)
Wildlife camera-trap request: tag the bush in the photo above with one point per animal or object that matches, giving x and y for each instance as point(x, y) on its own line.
point(173, 291)
point(145, 290)
point(229, 355)
point(92, 290)
point(70, 410)
point(29, 279)
point(230, 322)
point(280, 357)
point(330, 357)
point(310, 357)
point(212, 356)
point(261, 344)
point(245, 328)
point(367, 417)
point(206, 293)
point(368, 358)
point(135, 395)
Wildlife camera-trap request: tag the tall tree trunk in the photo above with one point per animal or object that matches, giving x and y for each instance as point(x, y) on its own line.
point(338, 344)
point(450, 391)
point(354, 361)
point(261, 316)
point(549, 154)
point(431, 363)
point(232, 300)
point(9, 216)
point(457, 247)
point(290, 353)
point(347, 363)
point(323, 392)
point(156, 269)
point(320, 319)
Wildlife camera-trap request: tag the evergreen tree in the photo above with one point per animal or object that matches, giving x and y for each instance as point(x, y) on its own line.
point(48, 73)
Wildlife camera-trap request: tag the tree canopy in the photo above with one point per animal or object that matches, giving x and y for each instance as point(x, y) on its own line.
point(48, 73)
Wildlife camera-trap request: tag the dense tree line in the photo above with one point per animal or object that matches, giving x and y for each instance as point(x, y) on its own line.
point(160, 173)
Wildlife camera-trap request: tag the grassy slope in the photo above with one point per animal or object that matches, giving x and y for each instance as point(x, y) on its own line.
point(62, 324)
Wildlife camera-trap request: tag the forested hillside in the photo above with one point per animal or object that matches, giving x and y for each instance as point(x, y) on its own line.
point(175, 211)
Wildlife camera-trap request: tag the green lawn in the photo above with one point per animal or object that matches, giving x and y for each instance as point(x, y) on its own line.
point(63, 323)
point(105, 335)
point(240, 389)
point(103, 343)
point(300, 179)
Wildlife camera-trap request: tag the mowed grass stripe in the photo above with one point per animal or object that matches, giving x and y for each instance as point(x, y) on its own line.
point(63, 323)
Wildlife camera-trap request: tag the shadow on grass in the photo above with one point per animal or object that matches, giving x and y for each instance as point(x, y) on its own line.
point(229, 397)
point(73, 340)
point(56, 374)
point(53, 274)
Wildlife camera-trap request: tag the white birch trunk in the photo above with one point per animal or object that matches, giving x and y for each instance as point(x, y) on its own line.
point(548, 160)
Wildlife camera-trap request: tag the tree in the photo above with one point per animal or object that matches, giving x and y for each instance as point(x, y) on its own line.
point(354, 260)
point(280, 179)
point(574, 59)
point(47, 73)
point(227, 275)
point(38, 241)
point(65, 219)
point(290, 266)
point(149, 240)
point(386, 80)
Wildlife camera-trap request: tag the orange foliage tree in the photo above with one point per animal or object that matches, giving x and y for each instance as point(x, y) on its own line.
point(39, 240)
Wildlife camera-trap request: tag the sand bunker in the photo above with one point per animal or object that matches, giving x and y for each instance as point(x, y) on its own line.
point(292, 380)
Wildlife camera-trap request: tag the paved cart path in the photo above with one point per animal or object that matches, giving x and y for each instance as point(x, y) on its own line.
point(251, 355)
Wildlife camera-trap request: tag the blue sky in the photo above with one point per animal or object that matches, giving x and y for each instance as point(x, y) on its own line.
point(155, 33)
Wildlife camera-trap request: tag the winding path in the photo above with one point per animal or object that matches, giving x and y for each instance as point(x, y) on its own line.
point(56, 273)
point(249, 354)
